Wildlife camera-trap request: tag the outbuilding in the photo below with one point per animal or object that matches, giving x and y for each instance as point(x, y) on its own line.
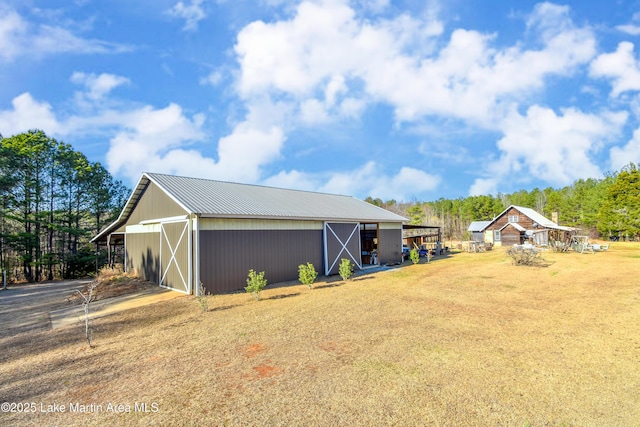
point(179, 232)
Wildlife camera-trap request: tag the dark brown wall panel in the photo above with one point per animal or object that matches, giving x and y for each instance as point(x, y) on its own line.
point(389, 246)
point(227, 256)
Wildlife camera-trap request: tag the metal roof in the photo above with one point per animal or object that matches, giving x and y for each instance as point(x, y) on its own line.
point(514, 225)
point(477, 226)
point(221, 199)
point(541, 220)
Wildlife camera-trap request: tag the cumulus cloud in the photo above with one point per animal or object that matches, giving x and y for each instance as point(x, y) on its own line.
point(324, 61)
point(556, 148)
point(26, 114)
point(377, 61)
point(328, 63)
point(621, 67)
point(146, 138)
point(150, 139)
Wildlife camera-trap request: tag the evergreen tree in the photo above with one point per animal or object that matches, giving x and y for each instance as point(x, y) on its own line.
point(620, 212)
point(52, 200)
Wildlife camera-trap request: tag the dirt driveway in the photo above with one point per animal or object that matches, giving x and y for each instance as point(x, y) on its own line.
point(45, 305)
point(27, 307)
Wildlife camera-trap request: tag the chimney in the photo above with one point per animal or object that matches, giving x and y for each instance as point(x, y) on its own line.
point(554, 217)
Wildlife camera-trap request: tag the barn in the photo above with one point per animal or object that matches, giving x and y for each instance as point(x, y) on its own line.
point(516, 224)
point(179, 232)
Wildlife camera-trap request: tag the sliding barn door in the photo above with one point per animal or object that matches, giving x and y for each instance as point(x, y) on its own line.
point(341, 240)
point(174, 255)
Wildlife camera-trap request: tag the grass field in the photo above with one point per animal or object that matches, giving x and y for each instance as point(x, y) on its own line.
point(465, 340)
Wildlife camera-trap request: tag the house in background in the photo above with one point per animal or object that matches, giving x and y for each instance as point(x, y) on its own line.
point(517, 224)
point(179, 232)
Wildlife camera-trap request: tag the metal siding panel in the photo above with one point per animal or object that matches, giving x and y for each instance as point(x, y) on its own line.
point(257, 224)
point(143, 255)
point(389, 246)
point(227, 256)
point(154, 203)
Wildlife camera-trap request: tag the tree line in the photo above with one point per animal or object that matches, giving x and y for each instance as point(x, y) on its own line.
point(53, 200)
point(608, 207)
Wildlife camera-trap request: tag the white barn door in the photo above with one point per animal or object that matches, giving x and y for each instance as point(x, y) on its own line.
point(341, 240)
point(175, 262)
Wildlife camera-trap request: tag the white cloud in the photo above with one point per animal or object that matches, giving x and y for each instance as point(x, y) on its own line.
point(145, 138)
point(214, 78)
point(632, 28)
point(98, 85)
point(543, 145)
point(19, 37)
point(368, 179)
point(153, 140)
point(327, 62)
point(192, 13)
point(378, 61)
point(622, 156)
point(484, 186)
point(621, 67)
point(246, 150)
point(12, 27)
point(27, 114)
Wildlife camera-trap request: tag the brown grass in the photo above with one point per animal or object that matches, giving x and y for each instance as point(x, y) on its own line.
point(466, 340)
point(112, 282)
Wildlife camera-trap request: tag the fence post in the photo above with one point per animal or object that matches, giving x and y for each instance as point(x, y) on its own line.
point(4, 279)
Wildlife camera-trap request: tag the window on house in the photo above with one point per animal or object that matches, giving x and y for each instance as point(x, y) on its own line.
point(496, 235)
point(513, 218)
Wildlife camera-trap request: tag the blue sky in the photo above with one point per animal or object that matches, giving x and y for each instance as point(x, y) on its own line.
point(406, 100)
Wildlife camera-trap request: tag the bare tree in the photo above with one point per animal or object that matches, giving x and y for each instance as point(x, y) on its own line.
point(86, 302)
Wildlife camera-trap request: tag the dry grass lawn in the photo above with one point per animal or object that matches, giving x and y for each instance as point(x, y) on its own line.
point(466, 340)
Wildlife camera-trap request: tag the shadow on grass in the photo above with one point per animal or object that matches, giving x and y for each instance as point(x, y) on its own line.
point(283, 296)
point(223, 308)
point(329, 285)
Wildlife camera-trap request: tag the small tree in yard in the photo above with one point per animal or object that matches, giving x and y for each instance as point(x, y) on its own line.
point(86, 301)
point(255, 283)
point(307, 274)
point(203, 298)
point(346, 269)
point(414, 255)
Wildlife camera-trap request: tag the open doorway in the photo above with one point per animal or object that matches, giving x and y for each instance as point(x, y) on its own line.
point(369, 244)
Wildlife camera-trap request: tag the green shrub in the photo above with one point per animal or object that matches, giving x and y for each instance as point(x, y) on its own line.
point(255, 283)
point(346, 269)
point(307, 274)
point(414, 255)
